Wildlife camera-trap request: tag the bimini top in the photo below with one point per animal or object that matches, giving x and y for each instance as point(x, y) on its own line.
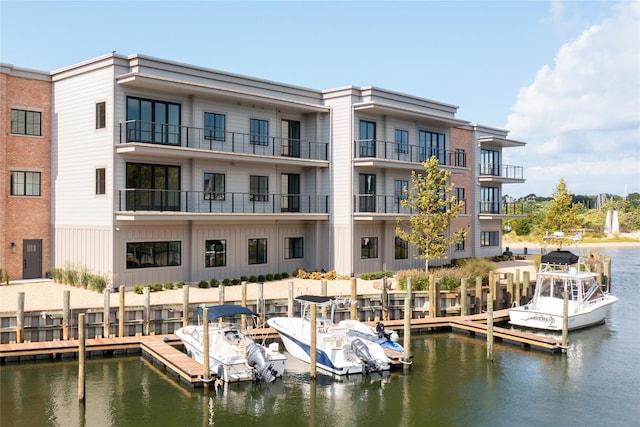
point(560, 257)
point(225, 310)
point(319, 299)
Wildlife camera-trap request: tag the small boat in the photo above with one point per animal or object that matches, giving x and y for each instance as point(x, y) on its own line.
point(388, 339)
point(337, 351)
point(560, 270)
point(233, 355)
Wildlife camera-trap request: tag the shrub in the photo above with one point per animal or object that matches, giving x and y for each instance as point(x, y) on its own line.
point(97, 282)
point(243, 278)
point(168, 285)
point(180, 284)
point(253, 279)
point(376, 275)
point(284, 275)
point(269, 277)
point(419, 280)
point(214, 282)
point(156, 287)
point(138, 289)
point(203, 284)
point(226, 282)
point(235, 281)
point(85, 277)
point(261, 278)
point(476, 267)
point(277, 276)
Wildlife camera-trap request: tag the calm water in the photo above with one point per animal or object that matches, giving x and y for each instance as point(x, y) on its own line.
point(451, 383)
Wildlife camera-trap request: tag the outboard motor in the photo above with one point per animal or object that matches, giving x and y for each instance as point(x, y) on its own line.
point(361, 350)
point(381, 331)
point(257, 360)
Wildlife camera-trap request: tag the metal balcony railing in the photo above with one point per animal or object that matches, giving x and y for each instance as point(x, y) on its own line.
point(146, 200)
point(364, 203)
point(373, 148)
point(215, 140)
point(502, 208)
point(500, 170)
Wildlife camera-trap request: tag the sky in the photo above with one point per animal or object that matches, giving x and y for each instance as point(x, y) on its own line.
point(562, 76)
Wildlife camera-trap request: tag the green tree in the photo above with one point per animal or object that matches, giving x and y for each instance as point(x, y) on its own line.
point(434, 206)
point(561, 214)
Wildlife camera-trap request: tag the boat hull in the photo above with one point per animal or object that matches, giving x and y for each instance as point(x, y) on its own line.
point(547, 315)
point(334, 351)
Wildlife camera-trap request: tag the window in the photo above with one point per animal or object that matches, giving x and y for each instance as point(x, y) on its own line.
point(214, 186)
point(215, 253)
point(293, 247)
point(402, 141)
point(214, 126)
point(25, 183)
point(432, 144)
point(101, 181)
point(461, 158)
point(489, 162)
point(259, 132)
point(369, 247)
point(153, 187)
point(490, 199)
point(101, 115)
point(290, 190)
point(367, 187)
point(400, 188)
point(459, 246)
point(489, 238)
point(257, 251)
point(153, 121)
point(367, 138)
point(153, 254)
point(258, 188)
point(401, 249)
point(26, 122)
point(290, 138)
point(459, 194)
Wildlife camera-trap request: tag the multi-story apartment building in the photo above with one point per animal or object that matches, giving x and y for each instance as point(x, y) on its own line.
point(25, 162)
point(164, 171)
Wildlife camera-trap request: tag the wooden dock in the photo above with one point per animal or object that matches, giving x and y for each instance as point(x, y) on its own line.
point(164, 350)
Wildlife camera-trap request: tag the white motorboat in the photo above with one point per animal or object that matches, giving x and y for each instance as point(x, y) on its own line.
point(337, 351)
point(560, 270)
point(388, 339)
point(233, 355)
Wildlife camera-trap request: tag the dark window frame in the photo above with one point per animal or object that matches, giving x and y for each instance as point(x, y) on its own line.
point(258, 131)
point(101, 115)
point(215, 253)
point(401, 248)
point(214, 186)
point(257, 251)
point(152, 254)
point(293, 248)
point(258, 188)
point(22, 186)
point(402, 141)
point(23, 122)
point(215, 125)
point(368, 248)
point(101, 181)
point(432, 144)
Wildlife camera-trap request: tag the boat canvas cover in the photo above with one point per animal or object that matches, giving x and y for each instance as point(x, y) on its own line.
point(560, 257)
point(225, 310)
point(315, 299)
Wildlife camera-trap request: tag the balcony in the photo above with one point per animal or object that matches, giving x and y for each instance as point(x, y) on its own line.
point(499, 173)
point(384, 205)
point(163, 134)
point(384, 150)
point(501, 210)
point(165, 204)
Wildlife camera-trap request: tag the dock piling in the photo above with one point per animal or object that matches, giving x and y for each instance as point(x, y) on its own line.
point(105, 314)
point(354, 297)
point(121, 313)
point(185, 305)
point(463, 297)
point(407, 325)
point(146, 309)
point(81, 357)
point(478, 298)
point(66, 314)
point(312, 350)
point(20, 318)
point(565, 321)
point(205, 344)
point(490, 327)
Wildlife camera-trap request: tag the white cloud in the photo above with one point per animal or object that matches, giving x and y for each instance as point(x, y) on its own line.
point(581, 116)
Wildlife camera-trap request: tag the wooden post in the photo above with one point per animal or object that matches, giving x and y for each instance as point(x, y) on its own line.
point(478, 294)
point(436, 297)
point(106, 313)
point(66, 314)
point(607, 272)
point(599, 273)
point(354, 299)
point(323, 292)
point(407, 324)
point(492, 286)
point(312, 350)
point(146, 310)
point(526, 285)
point(463, 297)
point(20, 318)
point(565, 320)
point(81, 357)
point(121, 313)
point(185, 305)
point(290, 300)
point(260, 302)
point(432, 297)
point(509, 289)
point(385, 296)
point(490, 327)
point(221, 294)
point(205, 344)
point(244, 303)
point(518, 290)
